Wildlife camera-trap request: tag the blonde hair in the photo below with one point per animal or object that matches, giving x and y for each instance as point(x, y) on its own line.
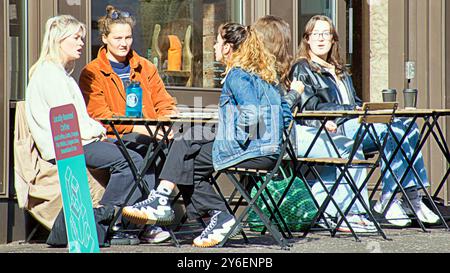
point(57, 29)
point(105, 22)
point(249, 52)
point(333, 57)
point(276, 35)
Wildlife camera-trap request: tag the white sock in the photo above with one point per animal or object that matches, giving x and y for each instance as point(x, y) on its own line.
point(164, 190)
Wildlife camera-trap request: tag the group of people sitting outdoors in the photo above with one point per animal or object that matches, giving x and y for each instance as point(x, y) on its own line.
point(262, 83)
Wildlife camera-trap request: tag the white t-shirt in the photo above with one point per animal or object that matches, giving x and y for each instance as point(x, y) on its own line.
point(341, 86)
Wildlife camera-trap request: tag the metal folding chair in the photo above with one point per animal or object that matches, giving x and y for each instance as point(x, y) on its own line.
point(371, 113)
point(250, 178)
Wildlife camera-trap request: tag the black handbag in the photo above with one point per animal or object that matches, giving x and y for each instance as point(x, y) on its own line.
point(103, 217)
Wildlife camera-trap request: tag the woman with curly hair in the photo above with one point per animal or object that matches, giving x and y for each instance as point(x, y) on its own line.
point(252, 116)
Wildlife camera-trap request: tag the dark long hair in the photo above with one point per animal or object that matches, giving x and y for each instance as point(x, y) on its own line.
point(334, 57)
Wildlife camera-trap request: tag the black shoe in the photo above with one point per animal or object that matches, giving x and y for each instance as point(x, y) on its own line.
point(124, 238)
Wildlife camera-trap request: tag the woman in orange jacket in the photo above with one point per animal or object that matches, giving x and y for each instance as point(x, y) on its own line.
point(103, 83)
point(103, 80)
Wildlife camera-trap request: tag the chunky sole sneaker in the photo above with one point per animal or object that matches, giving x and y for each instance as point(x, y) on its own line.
point(155, 210)
point(219, 226)
point(424, 213)
point(146, 217)
point(395, 214)
point(331, 223)
point(359, 224)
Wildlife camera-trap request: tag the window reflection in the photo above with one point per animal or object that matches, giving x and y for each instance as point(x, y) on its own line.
point(309, 8)
point(176, 35)
point(17, 71)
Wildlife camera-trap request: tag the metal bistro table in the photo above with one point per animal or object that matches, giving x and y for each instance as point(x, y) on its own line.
point(157, 147)
point(431, 126)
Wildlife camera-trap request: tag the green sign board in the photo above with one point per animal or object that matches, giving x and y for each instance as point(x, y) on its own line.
point(77, 203)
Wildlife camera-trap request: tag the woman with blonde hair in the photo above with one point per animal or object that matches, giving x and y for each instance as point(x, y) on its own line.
point(51, 86)
point(329, 86)
point(249, 102)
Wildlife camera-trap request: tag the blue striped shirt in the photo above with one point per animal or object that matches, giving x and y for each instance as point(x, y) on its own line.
point(122, 70)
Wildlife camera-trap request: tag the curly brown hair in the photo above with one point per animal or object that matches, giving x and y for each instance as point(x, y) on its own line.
point(276, 35)
point(249, 52)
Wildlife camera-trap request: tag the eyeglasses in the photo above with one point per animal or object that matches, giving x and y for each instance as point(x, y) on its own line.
point(117, 14)
point(325, 35)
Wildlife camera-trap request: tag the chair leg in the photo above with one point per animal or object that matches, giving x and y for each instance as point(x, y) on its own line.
point(32, 233)
point(272, 229)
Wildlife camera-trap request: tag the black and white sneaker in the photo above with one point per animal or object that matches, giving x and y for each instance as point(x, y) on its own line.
point(219, 226)
point(155, 210)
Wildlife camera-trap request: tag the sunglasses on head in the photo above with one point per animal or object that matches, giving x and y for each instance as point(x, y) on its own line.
point(119, 14)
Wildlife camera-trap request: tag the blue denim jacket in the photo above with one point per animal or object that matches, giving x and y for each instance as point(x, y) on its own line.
point(252, 116)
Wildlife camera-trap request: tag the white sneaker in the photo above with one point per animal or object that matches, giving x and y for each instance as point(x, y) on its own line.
point(424, 213)
point(154, 235)
point(359, 224)
point(395, 213)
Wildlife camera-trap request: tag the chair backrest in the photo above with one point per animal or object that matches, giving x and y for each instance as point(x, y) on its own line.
point(382, 112)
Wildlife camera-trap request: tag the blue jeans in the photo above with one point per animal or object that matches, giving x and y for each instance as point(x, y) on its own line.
point(399, 163)
point(323, 148)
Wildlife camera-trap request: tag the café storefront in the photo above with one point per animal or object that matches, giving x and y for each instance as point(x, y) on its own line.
point(378, 39)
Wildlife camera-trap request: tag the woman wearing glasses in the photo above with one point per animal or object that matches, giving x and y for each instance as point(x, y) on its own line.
point(103, 83)
point(276, 35)
point(328, 86)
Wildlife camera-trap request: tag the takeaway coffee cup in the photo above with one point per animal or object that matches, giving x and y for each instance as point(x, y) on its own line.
point(410, 97)
point(389, 95)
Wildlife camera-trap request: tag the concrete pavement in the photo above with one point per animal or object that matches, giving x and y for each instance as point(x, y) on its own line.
point(410, 240)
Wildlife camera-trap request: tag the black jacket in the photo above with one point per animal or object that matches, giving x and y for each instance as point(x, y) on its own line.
point(321, 91)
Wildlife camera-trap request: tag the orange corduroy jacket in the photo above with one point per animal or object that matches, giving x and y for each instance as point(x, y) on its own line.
point(105, 94)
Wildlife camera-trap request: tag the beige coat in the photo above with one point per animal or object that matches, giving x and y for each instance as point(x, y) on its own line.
point(36, 180)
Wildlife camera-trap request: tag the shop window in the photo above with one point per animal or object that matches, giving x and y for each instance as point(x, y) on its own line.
point(16, 59)
point(189, 25)
point(309, 8)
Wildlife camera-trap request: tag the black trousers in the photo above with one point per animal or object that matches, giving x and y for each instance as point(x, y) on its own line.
point(140, 144)
point(189, 165)
point(107, 156)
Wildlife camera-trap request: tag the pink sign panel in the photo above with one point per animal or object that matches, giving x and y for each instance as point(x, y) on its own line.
point(66, 132)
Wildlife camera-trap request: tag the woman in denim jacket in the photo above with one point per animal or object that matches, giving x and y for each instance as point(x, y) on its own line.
point(276, 35)
point(328, 86)
point(252, 116)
